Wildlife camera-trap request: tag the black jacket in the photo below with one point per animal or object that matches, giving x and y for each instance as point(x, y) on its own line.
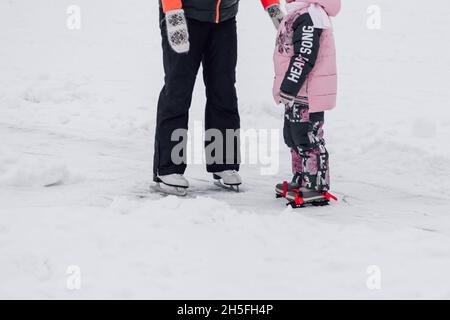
point(210, 10)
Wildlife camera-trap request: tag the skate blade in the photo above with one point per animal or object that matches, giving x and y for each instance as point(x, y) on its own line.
point(308, 200)
point(309, 204)
point(228, 187)
point(169, 190)
point(318, 201)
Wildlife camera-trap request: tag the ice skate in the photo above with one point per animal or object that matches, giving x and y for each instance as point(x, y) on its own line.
point(228, 179)
point(172, 184)
point(282, 189)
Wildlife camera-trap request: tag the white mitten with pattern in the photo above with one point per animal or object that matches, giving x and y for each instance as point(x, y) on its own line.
point(276, 14)
point(177, 31)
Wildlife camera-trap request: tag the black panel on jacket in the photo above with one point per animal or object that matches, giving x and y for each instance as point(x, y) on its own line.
point(306, 42)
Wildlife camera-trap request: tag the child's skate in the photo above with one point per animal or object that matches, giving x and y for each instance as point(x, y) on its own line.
point(282, 189)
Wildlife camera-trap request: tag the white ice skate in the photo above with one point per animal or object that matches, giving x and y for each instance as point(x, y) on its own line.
point(228, 179)
point(173, 184)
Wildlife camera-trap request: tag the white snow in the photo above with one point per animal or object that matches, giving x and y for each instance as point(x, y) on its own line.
point(30, 172)
point(77, 113)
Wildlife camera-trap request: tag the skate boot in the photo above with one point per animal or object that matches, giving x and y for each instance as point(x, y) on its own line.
point(228, 179)
point(173, 184)
point(307, 197)
point(282, 189)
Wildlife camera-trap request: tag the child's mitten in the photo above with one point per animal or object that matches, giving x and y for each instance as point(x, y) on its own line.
point(177, 31)
point(287, 100)
point(276, 14)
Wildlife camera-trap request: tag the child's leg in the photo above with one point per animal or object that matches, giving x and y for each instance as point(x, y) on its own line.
point(296, 130)
point(316, 174)
point(297, 162)
point(288, 139)
point(309, 155)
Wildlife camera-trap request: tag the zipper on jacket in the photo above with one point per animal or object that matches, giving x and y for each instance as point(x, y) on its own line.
point(218, 11)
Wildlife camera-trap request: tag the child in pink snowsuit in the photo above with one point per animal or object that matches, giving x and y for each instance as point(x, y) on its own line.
point(306, 83)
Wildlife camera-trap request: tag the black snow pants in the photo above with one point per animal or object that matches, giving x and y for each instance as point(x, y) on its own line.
point(215, 47)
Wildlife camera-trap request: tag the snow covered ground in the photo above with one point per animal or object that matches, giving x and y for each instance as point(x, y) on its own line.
point(77, 110)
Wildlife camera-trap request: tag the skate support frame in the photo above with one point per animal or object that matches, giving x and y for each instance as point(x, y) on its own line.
point(299, 201)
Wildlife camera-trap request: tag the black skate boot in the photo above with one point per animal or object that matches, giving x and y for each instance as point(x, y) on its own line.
point(282, 189)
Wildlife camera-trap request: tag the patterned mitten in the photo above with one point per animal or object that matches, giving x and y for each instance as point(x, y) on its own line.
point(177, 31)
point(276, 14)
point(287, 100)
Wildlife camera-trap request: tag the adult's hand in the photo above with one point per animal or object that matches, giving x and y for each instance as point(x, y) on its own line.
point(177, 31)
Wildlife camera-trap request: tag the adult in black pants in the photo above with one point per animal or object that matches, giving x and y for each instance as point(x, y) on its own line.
point(214, 45)
point(198, 32)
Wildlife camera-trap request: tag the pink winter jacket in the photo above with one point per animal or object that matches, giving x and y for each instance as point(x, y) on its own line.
point(320, 86)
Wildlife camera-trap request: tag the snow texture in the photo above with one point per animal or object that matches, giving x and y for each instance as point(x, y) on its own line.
point(77, 114)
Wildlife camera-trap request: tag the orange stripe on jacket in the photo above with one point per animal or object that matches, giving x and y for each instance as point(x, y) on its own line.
point(169, 5)
point(267, 3)
point(176, 4)
point(218, 11)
